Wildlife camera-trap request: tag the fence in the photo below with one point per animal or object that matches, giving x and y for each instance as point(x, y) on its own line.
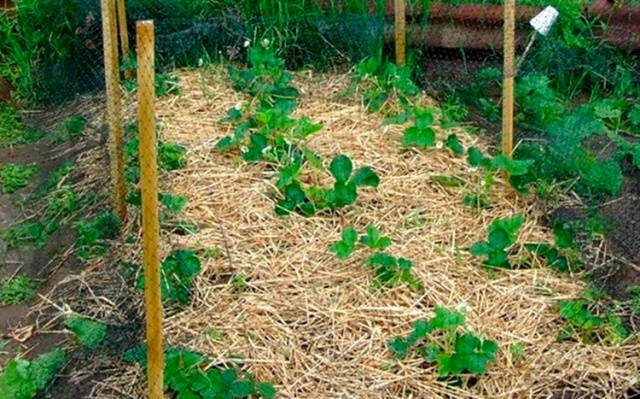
point(454, 44)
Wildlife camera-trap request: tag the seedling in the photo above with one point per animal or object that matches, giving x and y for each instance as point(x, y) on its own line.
point(442, 340)
point(89, 333)
point(17, 289)
point(421, 135)
point(23, 379)
point(13, 177)
point(179, 270)
point(187, 375)
point(91, 234)
point(70, 129)
point(502, 235)
point(31, 233)
point(582, 324)
point(389, 270)
point(561, 256)
point(454, 145)
point(171, 156)
point(173, 203)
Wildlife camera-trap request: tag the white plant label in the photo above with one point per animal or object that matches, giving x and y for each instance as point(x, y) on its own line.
point(543, 22)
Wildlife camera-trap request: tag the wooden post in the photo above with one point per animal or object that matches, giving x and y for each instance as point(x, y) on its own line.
point(509, 76)
point(114, 106)
point(150, 223)
point(401, 32)
point(124, 35)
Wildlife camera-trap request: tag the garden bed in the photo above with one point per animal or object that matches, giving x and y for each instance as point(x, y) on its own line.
point(274, 300)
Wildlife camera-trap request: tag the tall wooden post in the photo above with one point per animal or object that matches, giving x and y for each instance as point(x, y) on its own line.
point(509, 76)
point(114, 106)
point(150, 223)
point(124, 35)
point(401, 31)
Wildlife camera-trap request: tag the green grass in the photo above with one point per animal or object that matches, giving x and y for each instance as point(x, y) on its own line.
point(17, 289)
point(13, 177)
point(12, 130)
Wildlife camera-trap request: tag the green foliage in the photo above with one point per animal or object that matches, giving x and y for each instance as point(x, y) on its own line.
point(453, 143)
point(14, 177)
point(421, 134)
point(59, 175)
point(502, 235)
point(179, 269)
point(23, 379)
point(173, 203)
point(582, 324)
point(12, 130)
point(91, 234)
point(28, 233)
point(561, 256)
point(70, 129)
point(344, 192)
point(389, 270)
point(171, 156)
point(89, 333)
point(186, 374)
point(17, 289)
point(442, 340)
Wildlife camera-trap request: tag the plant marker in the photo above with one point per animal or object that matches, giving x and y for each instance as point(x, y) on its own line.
point(542, 24)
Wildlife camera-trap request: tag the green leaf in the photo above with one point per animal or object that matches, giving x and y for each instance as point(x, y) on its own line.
point(267, 391)
point(424, 118)
point(341, 168)
point(365, 176)
point(475, 157)
point(420, 138)
point(374, 240)
point(453, 143)
point(480, 248)
point(89, 333)
point(342, 195)
point(511, 166)
point(563, 234)
point(345, 247)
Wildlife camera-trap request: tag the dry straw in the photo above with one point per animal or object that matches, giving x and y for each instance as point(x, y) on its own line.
point(312, 324)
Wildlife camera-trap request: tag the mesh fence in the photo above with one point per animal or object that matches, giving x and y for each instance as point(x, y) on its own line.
point(51, 54)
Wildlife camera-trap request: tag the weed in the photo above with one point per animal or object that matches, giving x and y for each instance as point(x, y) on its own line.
point(14, 177)
point(186, 374)
point(17, 289)
point(29, 233)
point(239, 282)
point(58, 176)
point(89, 333)
point(502, 235)
point(178, 271)
point(12, 130)
point(442, 340)
point(23, 379)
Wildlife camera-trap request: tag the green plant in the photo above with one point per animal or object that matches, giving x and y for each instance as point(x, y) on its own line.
point(343, 193)
point(14, 177)
point(12, 129)
point(454, 145)
point(442, 340)
point(179, 269)
point(582, 324)
point(173, 203)
point(91, 234)
point(502, 235)
point(89, 333)
point(421, 134)
point(23, 379)
point(59, 175)
point(187, 375)
point(17, 289)
point(561, 256)
point(28, 233)
point(70, 129)
point(389, 270)
point(171, 156)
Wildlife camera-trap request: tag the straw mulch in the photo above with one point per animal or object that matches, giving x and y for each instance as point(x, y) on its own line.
point(313, 325)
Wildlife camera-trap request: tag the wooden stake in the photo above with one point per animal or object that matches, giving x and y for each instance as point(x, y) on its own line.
point(509, 76)
point(401, 32)
point(124, 35)
point(150, 223)
point(114, 106)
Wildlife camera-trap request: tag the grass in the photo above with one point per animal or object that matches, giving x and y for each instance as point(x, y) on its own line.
point(16, 290)
point(13, 177)
point(12, 130)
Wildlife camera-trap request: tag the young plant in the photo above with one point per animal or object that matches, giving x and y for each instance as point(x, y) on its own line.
point(582, 324)
point(91, 234)
point(13, 177)
point(454, 145)
point(188, 374)
point(421, 135)
point(70, 129)
point(443, 341)
point(89, 333)
point(23, 379)
point(179, 269)
point(17, 289)
point(502, 235)
point(347, 244)
point(561, 256)
point(25, 234)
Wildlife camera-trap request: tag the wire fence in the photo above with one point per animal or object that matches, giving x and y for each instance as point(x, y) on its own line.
point(61, 50)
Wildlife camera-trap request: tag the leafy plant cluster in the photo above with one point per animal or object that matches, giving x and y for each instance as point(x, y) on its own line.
point(560, 256)
point(442, 340)
point(501, 236)
point(178, 270)
point(582, 324)
point(17, 289)
point(388, 270)
point(188, 374)
point(70, 129)
point(23, 379)
point(89, 333)
point(91, 234)
point(13, 177)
